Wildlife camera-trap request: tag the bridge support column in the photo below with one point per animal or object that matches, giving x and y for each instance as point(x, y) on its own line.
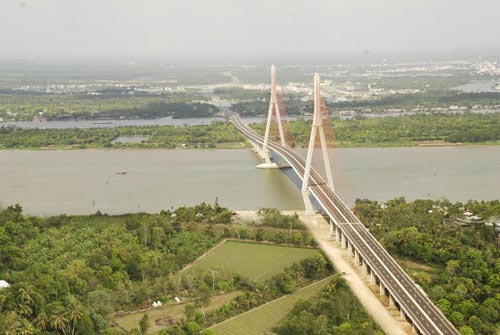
point(402, 313)
point(391, 301)
point(332, 230)
point(363, 267)
point(337, 233)
point(259, 151)
point(255, 146)
point(381, 290)
point(343, 241)
point(349, 250)
point(356, 258)
point(373, 280)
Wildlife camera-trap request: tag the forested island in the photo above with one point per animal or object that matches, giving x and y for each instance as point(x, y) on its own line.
point(214, 135)
point(102, 105)
point(412, 130)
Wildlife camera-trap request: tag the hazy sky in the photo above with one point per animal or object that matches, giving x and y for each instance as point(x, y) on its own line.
point(195, 29)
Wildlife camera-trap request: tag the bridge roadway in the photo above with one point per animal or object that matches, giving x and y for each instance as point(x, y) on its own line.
point(426, 317)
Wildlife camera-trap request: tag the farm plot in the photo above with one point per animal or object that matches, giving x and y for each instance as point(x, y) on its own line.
point(255, 261)
point(167, 315)
point(260, 320)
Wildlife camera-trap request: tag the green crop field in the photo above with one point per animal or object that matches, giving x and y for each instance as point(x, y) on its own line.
point(260, 320)
point(255, 261)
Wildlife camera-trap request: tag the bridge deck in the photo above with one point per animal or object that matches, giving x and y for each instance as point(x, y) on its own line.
point(419, 308)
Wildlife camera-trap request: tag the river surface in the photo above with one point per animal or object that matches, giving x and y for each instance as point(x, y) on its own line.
point(84, 181)
point(167, 121)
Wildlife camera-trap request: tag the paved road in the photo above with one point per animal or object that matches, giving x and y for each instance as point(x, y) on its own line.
point(427, 318)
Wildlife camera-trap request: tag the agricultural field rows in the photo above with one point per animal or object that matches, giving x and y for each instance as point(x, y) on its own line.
point(260, 320)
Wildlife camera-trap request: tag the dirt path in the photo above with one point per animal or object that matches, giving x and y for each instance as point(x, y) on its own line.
point(387, 318)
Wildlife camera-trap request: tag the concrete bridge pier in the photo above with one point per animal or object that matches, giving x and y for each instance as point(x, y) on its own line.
point(257, 149)
point(356, 258)
point(373, 280)
point(264, 154)
point(391, 301)
point(364, 269)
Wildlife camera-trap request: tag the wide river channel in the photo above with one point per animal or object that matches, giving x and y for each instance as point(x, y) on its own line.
point(121, 181)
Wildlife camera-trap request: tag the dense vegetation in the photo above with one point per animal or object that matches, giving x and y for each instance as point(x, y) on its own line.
point(425, 99)
point(464, 280)
point(334, 311)
point(199, 136)
point(109, 104)
point(293, 105)
point(405, 130)
point(153, 110)
point(69, 272)
point(239, 94)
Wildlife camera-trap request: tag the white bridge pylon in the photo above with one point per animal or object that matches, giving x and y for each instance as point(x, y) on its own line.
point(274, 110)
point(317, 129)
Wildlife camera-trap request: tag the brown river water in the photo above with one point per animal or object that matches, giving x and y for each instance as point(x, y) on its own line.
point(84, 181)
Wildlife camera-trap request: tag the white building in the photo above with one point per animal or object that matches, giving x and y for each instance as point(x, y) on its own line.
point(4, 284)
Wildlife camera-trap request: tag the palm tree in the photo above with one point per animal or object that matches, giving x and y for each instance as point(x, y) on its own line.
point(25, 297)
point(25, 310)
point(42, 321)
point(73, 314)
point(26, 302)
point(58, 322)
point(26, 328)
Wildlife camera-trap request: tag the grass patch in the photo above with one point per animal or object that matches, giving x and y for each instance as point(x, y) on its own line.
point(167, 315)
point(262, 319)
point(255, 261)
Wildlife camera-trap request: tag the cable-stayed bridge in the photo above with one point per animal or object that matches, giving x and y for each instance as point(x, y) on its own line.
point(368, 253)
